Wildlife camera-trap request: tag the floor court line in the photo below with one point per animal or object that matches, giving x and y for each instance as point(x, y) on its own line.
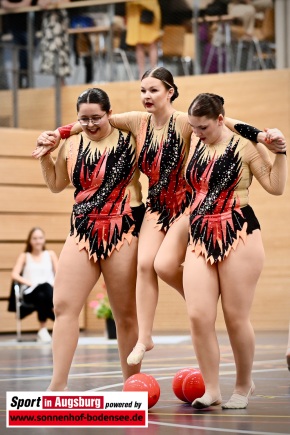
point(169, 416)
point(119, 373)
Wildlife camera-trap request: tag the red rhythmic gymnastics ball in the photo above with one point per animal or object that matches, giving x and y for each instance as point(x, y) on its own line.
point(193, 386)
point(178, 381)
point(143, 382)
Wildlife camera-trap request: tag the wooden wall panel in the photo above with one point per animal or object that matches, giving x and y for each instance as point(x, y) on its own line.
point(44, 109)
point(26, 202)
point(259, 97)
point(10, 251)
point(20, 171)
point(34, 200)
point(15, 227)
point(8, 320)
point(29, 323)
point(6, 109)
point(5, 282)
point(20, 142)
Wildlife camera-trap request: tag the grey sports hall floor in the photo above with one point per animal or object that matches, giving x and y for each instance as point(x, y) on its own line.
point(27, 366)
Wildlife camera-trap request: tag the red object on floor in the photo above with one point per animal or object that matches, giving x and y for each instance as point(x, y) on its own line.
point(143, 382)
point(193, 386)
point(178, 381)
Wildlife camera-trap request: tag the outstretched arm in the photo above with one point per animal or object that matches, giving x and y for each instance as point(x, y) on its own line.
point(48, 140)
point(70, 129)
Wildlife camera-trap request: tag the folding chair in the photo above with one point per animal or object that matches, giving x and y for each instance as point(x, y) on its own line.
point(19, 306)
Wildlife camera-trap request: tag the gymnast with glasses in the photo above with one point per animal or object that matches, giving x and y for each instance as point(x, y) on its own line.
point(95, 120)
point(100, 162)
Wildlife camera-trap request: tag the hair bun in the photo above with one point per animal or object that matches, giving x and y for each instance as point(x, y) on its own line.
point(176, 93)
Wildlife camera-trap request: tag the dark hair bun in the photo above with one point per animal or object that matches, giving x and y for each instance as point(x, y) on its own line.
point(175, 93)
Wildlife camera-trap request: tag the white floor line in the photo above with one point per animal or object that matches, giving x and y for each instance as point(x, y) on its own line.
point(119, 373)
point(84, 341)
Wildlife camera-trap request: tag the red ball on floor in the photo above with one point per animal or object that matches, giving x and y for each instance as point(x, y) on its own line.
point(193, 386)
point(178, 381)
point(143, 382)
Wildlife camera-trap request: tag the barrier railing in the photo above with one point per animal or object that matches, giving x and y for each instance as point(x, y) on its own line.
point(110, 6)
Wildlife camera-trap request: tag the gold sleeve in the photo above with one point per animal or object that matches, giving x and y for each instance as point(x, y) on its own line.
point(272, 175)
point(129, 121)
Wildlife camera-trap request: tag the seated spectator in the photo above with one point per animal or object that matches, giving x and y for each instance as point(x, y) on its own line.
point(34, 270)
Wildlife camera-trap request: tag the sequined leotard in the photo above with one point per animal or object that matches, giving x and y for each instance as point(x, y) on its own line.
point(107, 191)
point(161, 157)
point(220, 177)
point(162, 154)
